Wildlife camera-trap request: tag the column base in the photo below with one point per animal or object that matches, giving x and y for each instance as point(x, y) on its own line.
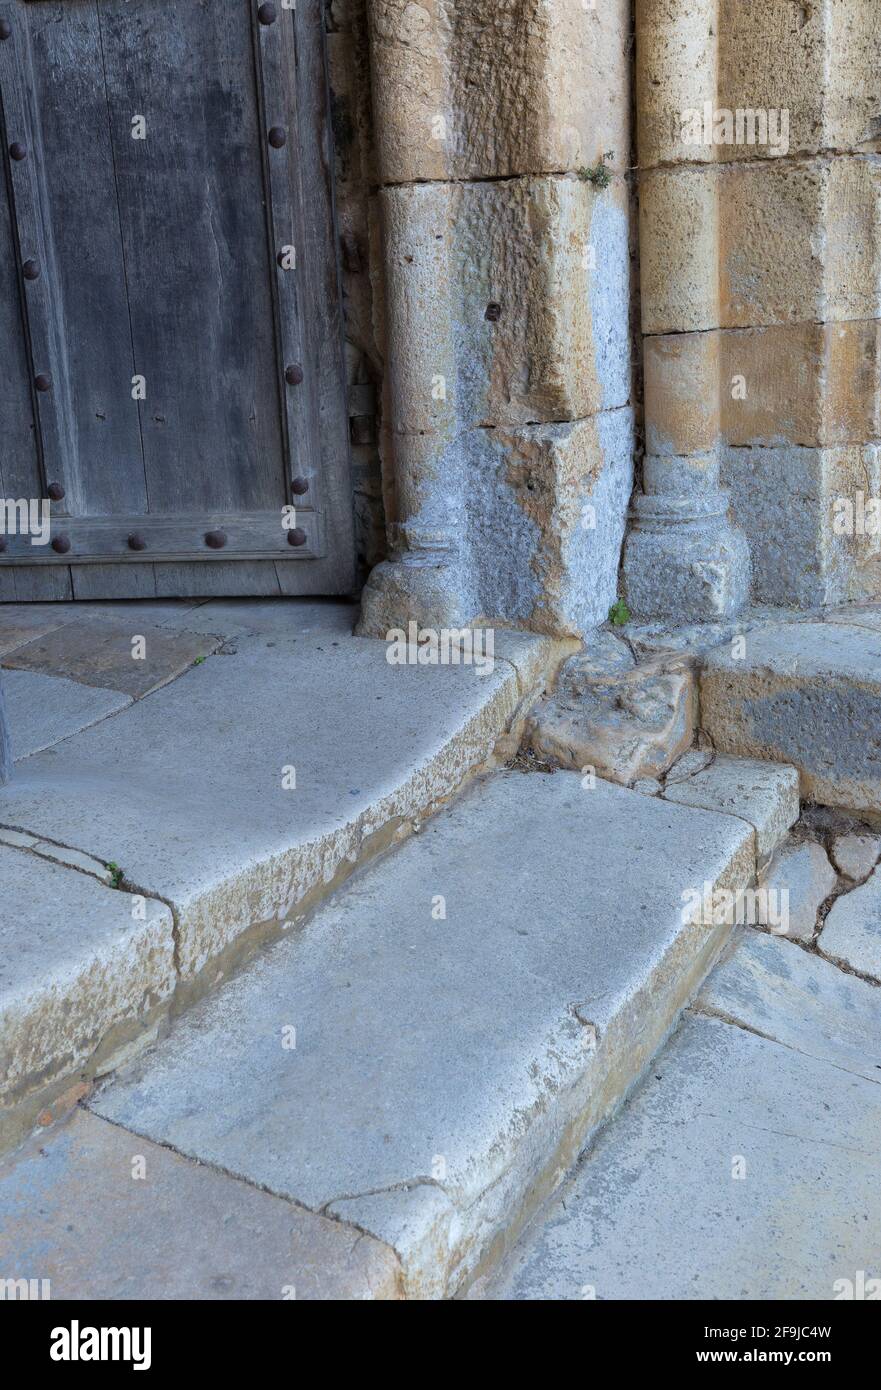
point(427, 590)
point(683, 561)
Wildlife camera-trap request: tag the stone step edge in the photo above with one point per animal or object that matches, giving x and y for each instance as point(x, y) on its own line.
point(445, 1266)
point(487, 739)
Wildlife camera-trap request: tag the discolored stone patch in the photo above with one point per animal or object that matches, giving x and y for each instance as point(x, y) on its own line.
point(104, 654)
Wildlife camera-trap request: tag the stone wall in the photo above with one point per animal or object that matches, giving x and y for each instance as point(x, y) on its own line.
point(485, 196)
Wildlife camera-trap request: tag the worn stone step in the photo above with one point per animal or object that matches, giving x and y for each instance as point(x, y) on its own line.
point(808, 694)
point(231, 800)
point(746, 1166)
point(428, 1056)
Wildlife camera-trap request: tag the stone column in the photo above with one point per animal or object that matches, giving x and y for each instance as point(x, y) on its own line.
point(760, 203)
point(684, 561)
point(508, 417)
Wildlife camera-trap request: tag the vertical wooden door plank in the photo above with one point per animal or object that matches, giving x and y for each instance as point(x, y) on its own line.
point(19, 452)
point(74, 160)
point(39, 289)
point(193, 217)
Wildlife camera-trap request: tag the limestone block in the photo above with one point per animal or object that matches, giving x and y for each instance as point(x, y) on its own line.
point(752, 245)
point(801, 383)
point(804, 873)
point(682, 392)
point(676, 57)
point(786, 501)
point(816, 62)
point(808, 694)
point(764, 795)
point(547, 510)
point(626, 729)
point(482, 89)
point(507, 302)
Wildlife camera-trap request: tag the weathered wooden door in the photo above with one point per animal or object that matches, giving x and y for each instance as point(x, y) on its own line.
point(170, 346)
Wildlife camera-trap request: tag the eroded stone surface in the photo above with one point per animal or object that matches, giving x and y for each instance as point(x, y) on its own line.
point(788, 501)
point(626, 728)
point(763, 794)
point(703, 267)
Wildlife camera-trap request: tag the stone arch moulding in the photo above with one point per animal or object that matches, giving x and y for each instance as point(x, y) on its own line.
point(507, 410)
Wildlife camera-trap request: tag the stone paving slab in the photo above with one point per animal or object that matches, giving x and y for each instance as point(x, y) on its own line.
point(801, 870)
point(44, 710)
point(852, 933)
point(75, 965)
point(800, 1000)
point(102, 654)
point(465, 1013)
point(191, 791)
point(855, 855)
point(657, 1210)
point(763, 794)
point(290, 619)
point(23, 622)
point(808, 694)
point(103, 1214)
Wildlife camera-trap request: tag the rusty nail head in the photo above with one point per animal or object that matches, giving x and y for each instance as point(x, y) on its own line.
point(277, 137)
point(30, 270)
point(136, 541)
point(18, 150)
point(43, 381)
point(61, 544)
point(215, 539)
point(297, 536)
point(299, 486)
point(55, 491)
point(293, 374)
point(267, 14)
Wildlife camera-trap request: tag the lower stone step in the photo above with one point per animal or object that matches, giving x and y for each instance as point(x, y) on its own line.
point(808, 694)
point(426, 1059)
point(745, 1167)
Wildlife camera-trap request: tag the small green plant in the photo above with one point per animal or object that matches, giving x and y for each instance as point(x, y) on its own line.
point(116, 874)
point(619, 613)
point(599, 175)
point(198, 661)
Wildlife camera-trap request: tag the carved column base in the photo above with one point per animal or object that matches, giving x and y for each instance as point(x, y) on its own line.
point(683, 561)
point(424, 587)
